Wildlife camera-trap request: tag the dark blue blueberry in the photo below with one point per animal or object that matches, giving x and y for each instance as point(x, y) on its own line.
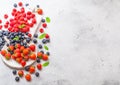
point(34, 41)
point(43, 20)
point(15, 5)
point(38, 60)
point(14, 72)
point(38, 6)
point(28, 40)
point(37, 74)
point(26, 4)
point(17, 79)
point(27, 68)
point(7, 44)
point(48, 53)
point(40, 46)
point(22, 43)
point(35, 35)
point(26, 33)
point(44, 41)
point(42, 51)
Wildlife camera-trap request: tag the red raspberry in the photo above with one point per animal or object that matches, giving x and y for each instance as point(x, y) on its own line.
point(5, 16)
point(41, 30)
point(20, 3)
point(44, 25)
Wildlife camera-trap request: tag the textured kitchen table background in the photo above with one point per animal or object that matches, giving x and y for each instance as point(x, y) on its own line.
point(85, 43)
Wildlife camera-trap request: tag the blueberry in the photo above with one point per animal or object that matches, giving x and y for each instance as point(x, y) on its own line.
point(35, 35)
point(26, 4)
point(26, 33)
point(43, 20)
point(14, 72)
point(7, 44)
point(37, 74)
point(27, 68)
point(48, 53)
point(42, 51)
point(38, 60)
point(35, 41)
point(44, 41)
point(15, 5)
point(38, 6)
point(17, 79)
point(40, 46)
point(28, 40)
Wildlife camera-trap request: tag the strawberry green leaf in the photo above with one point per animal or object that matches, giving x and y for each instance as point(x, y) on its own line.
point(46, 48)
point(45, 64)
point(42, 36)
point(48, 20)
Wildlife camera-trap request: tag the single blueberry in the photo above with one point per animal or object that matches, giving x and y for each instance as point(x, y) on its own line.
point(15, 5)
point(43, 20)
point(14, 72)
point(40, 46)
point(37, 74)
point(17, 79)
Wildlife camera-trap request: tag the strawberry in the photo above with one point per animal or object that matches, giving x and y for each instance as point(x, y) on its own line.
point(45, 57)
point(17, 46)
point(39, 55)
point(18, 60)
point(8, 56)
point(39, 66)
point(26, 58)
point(32, 69)
point(33, 56)
point(20, 73)
point(3, 52)
point(23, 63)
point(18, 55)
point(25, 51)
point(28, 77)
point(17, 50)
point(22, 48)
point(40, 11)
point(32, 47)
point(11, 48)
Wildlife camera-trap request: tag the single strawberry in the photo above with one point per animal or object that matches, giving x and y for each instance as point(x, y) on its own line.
point(32, 69)
point(17, 46)
point(28, 77)
point(25, 51)
point(39, 55)
point(20, 73)
point(8, 56)
point(32, 47)
point(23, 63)
point(39, 66)
point(3, 52)
point(33, 56)
point(45, 57)
point(11, 48)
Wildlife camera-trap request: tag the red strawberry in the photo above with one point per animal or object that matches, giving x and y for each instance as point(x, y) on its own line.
point(3, 52)
point(39, 66)
point(11, 48)
point(18, 55)
point(33, 56)
point(39, 55)
point(17, 46)
point(23, 63)
point(25, 51)
point(32, 47)
point(18, 60)
point(45, 57)
point(8, 56)
point(32, 69)
point(20, 73)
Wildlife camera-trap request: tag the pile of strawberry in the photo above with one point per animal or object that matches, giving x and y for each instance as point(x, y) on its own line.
point(22, 21)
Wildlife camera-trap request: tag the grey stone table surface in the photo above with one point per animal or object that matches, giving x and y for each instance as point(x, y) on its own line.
point(85, 43)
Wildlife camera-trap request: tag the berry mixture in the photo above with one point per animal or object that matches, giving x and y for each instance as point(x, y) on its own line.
point(19, 45)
